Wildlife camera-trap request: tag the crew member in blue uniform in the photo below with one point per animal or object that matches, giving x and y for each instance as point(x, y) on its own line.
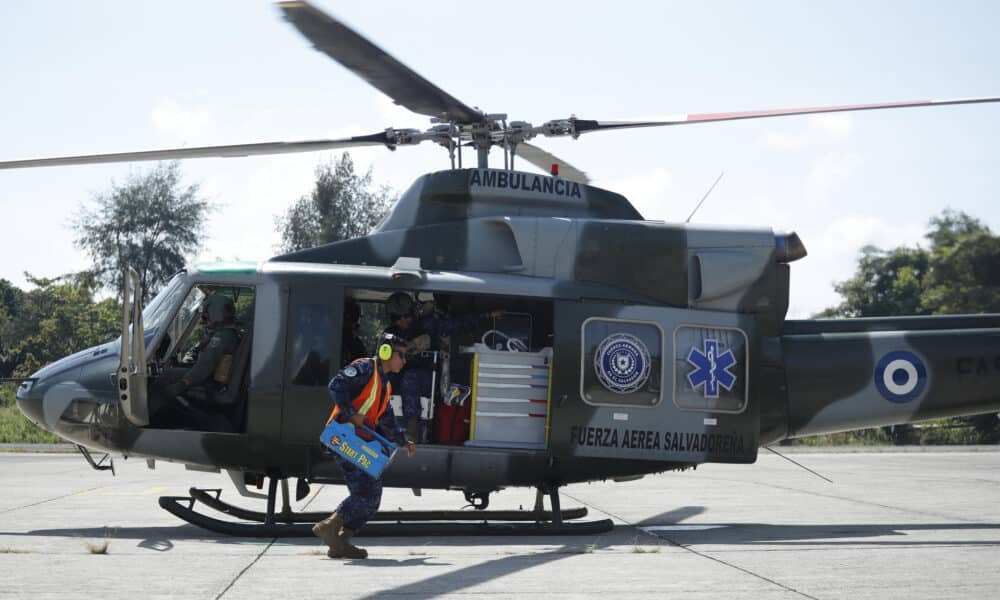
point(424, 326)
point(360, 392)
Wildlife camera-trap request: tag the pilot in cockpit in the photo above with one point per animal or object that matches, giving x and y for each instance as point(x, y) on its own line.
point(206, 367)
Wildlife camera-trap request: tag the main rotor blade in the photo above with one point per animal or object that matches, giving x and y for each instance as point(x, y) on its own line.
point(237, 150)
point(583, 126)
point(544, 159)
point(376, 66)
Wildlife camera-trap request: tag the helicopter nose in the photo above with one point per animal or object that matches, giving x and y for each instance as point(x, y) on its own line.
point(32, 406)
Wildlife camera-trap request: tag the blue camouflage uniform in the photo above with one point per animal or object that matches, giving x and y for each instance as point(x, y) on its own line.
point(415, 378)
point(365, 491)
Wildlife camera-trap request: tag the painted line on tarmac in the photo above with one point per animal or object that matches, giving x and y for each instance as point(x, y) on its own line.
point(52, 499)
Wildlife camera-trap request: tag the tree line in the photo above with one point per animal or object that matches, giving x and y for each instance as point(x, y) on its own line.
point(958, 272)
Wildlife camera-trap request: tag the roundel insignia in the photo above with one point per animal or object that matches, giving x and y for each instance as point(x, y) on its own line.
point(622, 363)
point(900, 376)
point(350, 372)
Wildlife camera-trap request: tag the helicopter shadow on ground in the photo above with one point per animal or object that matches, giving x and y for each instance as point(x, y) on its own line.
point(516, 560)
point(839, 534)
point(153, 538)
point(162, 539)
point(674, 516)
point(511, 561)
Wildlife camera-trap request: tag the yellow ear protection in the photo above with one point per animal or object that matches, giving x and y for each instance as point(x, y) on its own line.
point(385, 346)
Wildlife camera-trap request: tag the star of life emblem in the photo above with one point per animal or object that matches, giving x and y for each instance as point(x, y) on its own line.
point(622, 363)
point(711, 369)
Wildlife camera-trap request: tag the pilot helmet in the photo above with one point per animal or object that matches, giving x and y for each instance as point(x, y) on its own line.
point(218, 309)
point(400, 304)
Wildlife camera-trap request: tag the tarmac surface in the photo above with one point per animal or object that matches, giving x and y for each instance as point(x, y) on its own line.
point(892, 525)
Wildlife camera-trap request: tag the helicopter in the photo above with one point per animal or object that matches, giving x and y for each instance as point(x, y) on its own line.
point(598, 370)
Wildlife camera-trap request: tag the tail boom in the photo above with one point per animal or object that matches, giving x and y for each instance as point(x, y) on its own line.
point(856, 373)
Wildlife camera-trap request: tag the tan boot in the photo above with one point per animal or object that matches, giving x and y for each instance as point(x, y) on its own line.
point(349, 550)
point(328, 530)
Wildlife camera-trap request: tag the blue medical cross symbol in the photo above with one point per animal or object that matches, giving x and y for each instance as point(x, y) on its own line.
point(711, 369)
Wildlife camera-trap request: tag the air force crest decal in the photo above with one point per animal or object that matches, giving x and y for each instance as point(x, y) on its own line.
point(711, 369)
point(622, 363)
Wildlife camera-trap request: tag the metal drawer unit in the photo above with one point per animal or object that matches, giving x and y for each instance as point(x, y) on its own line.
point(510, 397)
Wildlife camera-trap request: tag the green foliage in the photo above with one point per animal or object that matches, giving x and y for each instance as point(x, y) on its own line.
point(958, 274)
point(948, 434)
point(150, 223)
point(55, 319)
point(888, 282)
point(951, 227)
point(60, 317)
point(861, 437)
point(14, 427)
point(342, 206)
point(982, 429)
point(965, 267)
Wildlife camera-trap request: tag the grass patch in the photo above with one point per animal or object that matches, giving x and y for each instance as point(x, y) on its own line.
point(15, 427)
point(15, 551)
point(862, 437)
point(959, 431)
point(100, 547)
point(642, 550)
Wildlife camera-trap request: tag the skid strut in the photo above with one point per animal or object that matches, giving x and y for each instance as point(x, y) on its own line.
point(287, 523)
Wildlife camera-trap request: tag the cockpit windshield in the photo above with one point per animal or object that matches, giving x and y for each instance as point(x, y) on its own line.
point(189, 310)
point(160, 308)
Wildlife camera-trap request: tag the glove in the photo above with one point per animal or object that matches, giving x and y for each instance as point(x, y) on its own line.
point(190, 357)
point(420, 343)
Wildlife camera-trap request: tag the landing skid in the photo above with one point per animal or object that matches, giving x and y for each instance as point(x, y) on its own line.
point(287, 523)
point(214, 502)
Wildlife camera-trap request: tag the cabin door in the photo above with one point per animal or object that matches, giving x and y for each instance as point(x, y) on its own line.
point(312, 355)
point(132, 369)
point(652, 383)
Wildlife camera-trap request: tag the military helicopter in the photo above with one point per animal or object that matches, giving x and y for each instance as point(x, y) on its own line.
point(597, 371)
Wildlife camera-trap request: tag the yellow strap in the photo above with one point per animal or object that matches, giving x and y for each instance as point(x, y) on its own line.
point(373, 395)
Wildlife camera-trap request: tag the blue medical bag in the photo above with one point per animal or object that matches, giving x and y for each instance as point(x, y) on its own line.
point(372, 457)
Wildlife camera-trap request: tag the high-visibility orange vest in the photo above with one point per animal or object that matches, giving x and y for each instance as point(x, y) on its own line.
point(369, 402)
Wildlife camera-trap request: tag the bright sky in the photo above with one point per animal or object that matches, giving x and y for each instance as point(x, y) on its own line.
point(91, 77)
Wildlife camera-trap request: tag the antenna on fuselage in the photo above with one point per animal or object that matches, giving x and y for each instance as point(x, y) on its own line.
point(705, 196)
